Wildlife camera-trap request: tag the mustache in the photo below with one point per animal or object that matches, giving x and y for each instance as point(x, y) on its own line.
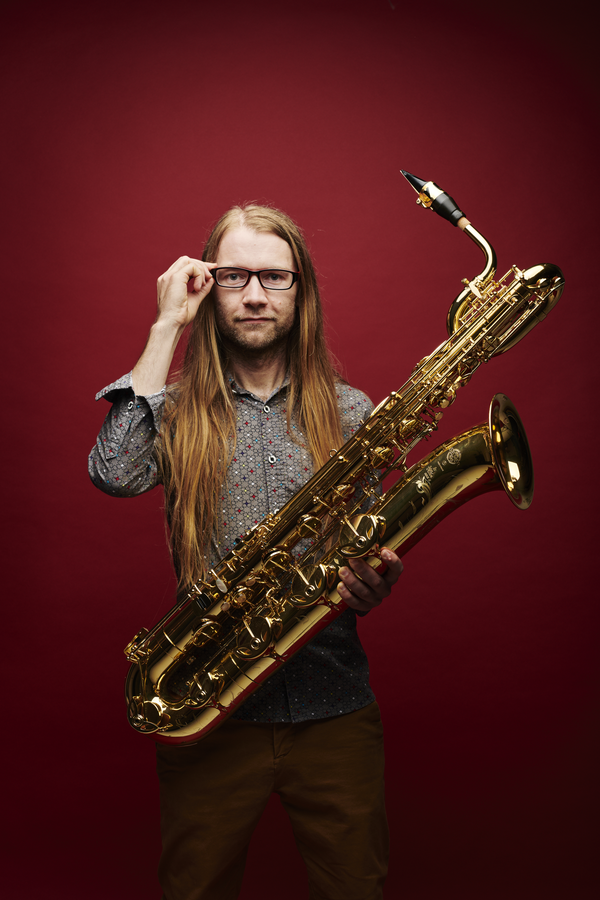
point(254, 318)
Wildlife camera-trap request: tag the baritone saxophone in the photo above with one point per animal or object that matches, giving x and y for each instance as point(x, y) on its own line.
point(276, 589)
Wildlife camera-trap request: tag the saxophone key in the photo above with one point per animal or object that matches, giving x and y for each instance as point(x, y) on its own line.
point(360, 534)
point(201, 689)
point(276, 565)
point(308, 584)
point(146, 715)
point(257, 635)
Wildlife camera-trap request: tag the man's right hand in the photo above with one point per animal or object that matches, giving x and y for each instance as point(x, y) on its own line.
point(177, 307)
point(177, 304)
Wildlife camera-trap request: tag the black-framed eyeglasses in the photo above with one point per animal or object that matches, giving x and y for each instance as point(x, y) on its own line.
point(271, 279)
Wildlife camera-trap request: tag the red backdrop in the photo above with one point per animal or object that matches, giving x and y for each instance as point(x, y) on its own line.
point(129, 131)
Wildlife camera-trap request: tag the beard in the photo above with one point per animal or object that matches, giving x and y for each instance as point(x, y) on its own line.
point(261, 339)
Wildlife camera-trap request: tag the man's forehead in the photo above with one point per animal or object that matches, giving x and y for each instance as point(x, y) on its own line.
point(242, 246)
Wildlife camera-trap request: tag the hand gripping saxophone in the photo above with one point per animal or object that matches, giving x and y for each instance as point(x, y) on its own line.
point(276, 589)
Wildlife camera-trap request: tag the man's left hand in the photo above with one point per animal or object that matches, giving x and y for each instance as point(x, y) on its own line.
point(362, 588)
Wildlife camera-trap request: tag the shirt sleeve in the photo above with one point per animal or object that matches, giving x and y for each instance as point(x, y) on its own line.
point(123, 461)
point(355, 408)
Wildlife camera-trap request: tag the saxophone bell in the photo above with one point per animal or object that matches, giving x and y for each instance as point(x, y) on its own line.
point(492, 456)
point(510, 451)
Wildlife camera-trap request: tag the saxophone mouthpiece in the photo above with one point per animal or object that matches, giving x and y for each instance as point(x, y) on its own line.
point(433, 197)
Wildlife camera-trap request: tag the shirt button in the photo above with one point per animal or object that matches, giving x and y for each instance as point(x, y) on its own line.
point(267, 408)
point(272, 459)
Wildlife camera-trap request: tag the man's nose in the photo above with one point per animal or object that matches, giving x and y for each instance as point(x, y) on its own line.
point(254, 291)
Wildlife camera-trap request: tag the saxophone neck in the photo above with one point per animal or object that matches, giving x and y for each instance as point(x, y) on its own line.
point(472, 288)
point(484, 245)
point(433, 197)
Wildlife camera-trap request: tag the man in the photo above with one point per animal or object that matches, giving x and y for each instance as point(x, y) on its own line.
point(256, 410)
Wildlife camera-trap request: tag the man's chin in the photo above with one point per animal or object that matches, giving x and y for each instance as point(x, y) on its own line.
point(254, 344)
point(259, 338)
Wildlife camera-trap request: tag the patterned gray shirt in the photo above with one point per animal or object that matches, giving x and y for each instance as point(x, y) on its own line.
point(330, 675)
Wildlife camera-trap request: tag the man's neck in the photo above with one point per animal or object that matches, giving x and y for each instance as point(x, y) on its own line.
point(259, 376)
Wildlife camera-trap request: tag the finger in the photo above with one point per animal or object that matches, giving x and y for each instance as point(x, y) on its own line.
point(181, 263)
point(390, 568)
point(394, 564)
point(362, 587)
point(196, 269)
point(369, 593)
point(366, 573)
point(187, 265)
point(352, 600)
point(379, 575)
point(201, 282)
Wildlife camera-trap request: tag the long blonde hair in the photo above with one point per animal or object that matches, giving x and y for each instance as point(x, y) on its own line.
point(198, 427)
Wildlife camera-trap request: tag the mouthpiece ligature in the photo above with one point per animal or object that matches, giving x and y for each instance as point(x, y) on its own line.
point(433, 197)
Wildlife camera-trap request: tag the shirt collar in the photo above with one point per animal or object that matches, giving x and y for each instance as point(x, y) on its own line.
point(237, 389)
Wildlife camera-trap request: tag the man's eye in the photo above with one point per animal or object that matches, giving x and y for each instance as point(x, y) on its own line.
point(276, 278)
point(232, 278)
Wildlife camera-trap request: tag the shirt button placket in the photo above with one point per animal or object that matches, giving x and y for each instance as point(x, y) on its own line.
point(271, 459)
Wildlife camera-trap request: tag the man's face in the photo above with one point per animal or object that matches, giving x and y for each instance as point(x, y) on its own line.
point(253, 320)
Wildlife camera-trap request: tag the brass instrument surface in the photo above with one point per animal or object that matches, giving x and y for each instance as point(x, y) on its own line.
point(275, 590)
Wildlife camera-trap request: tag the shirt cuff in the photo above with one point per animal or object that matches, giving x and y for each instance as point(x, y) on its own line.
point(155, 401)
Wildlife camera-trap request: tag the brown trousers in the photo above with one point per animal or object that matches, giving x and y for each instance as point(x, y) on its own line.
point(329, 776)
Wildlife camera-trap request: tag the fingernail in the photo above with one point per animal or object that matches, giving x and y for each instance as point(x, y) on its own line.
point(386, 555)
point(344, 571)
